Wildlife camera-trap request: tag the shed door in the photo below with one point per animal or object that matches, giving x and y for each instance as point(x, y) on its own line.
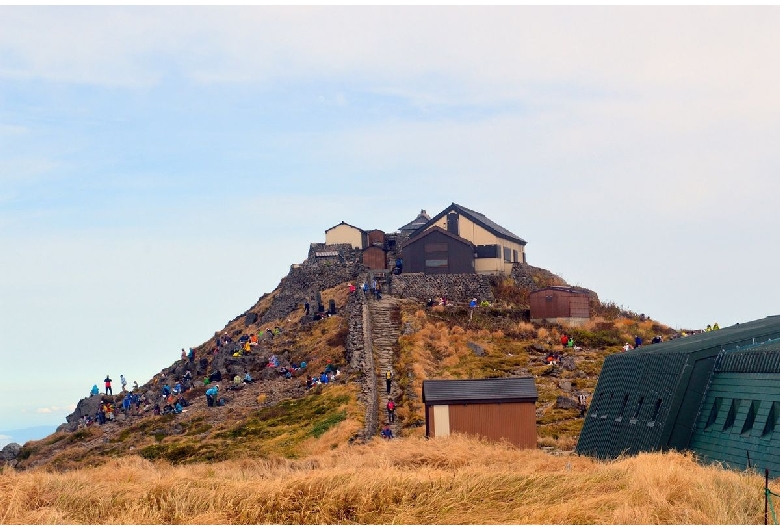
point(441, 421)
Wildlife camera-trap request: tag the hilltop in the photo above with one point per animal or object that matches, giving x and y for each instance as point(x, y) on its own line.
point(277, 416)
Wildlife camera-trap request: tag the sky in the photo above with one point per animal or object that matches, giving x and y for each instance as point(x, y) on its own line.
point(162, 168)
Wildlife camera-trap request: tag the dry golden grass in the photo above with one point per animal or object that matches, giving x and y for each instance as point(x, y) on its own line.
point(409, 481)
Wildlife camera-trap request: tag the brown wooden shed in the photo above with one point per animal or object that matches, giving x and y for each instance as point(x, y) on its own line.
point(561, 304)
point(437, 251)
point(376, 238)
point(375, 258)
point(497, 409)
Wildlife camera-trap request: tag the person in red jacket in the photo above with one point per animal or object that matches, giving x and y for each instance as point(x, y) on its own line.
point(391, 410)
point(564, 339)
point(107, 381)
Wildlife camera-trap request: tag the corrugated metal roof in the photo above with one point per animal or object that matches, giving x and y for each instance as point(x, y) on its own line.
point(501, 390)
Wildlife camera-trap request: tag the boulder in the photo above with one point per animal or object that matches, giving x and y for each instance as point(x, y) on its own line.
point(478, 350)
point(10, 452)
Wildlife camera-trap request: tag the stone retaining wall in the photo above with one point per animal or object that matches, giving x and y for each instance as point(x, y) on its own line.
point(456, 287)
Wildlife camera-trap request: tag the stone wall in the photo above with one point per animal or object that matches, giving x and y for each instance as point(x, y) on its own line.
point(314, 275)
point(456, 287)
point(360, 357)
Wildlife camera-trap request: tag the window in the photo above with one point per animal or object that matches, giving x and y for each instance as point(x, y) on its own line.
point(507, 254)
point(771, 419)
point(751, 417)
point(514, 256)
point(638, 407)
point(436, 263)
point(656, 409)
point(488, 251)
point(622, 408)
point(731, 415)
point(713, 413)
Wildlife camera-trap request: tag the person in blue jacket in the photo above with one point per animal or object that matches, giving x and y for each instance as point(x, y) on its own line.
point(211, 395)
point(95, 391)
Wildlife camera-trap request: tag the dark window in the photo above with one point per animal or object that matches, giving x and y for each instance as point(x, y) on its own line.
point(656, 409)
point(639, 407)
point(435, 263)
point(488, 251)
point(436, 247)
point(514, 256)
point(622, 407)
point(731, 415)
point(771, 419)
point(713, 413)
point(507, 254)
point(751, 417)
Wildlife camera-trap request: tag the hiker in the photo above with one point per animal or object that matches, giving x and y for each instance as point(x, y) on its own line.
point(570, 344)
point(429, 303)
point(187, 376)
point(386, 432)
point(378, 292)
point(306, 306)
point(324, 378)
point(373, 286)
point(391, 410)
point(166, 390)
point(564, 340)
point(351, 288)
point(177, 389)
point(637, 341)
point(135, 386)
point(472, 305)
point(211, 395)
point(715, 327)
point(709, 328)
point(95, 391)
point(248, 378)
point(389, 379)
point(183, 355)
point(123, 382)
point(364, 286)
point(156, 410)
point(309, 382)
point(253, 339)
point(107, 381)
point(237, 380)
point(626, 347)
point(191, 355)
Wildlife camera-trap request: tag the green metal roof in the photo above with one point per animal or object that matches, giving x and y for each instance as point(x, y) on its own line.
point(661, 388)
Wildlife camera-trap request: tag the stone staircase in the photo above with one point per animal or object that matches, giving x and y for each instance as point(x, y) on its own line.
point(385, 324)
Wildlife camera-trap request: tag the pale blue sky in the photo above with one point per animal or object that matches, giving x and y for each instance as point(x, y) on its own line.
point(161, 168)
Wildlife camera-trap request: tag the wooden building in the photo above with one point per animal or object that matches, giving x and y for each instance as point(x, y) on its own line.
point(560, 304)
point(437, 251)
point(346, 233)
point(376, 238)
point(374, 258)
point(497, 409)
point(495, 247)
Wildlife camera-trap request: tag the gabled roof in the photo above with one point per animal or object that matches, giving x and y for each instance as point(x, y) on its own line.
point(347, 224)
point(478, 219)
point(439, 229)
point(460, 391)
point(418, 221)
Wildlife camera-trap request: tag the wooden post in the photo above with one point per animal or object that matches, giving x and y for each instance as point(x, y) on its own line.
point(766, 496)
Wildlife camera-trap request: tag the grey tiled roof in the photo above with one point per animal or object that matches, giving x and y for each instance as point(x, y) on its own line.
point(418, 221)
point(477, 218)
point(503, 390)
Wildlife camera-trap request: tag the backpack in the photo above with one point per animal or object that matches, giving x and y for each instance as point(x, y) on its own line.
point(390, 405)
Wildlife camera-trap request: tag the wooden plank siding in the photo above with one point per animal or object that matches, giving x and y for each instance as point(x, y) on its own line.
point(513, 422)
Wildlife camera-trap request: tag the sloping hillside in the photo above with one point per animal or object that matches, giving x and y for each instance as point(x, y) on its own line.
point(279, 416)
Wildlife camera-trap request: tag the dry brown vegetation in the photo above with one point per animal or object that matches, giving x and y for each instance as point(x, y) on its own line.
point(457, 480)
